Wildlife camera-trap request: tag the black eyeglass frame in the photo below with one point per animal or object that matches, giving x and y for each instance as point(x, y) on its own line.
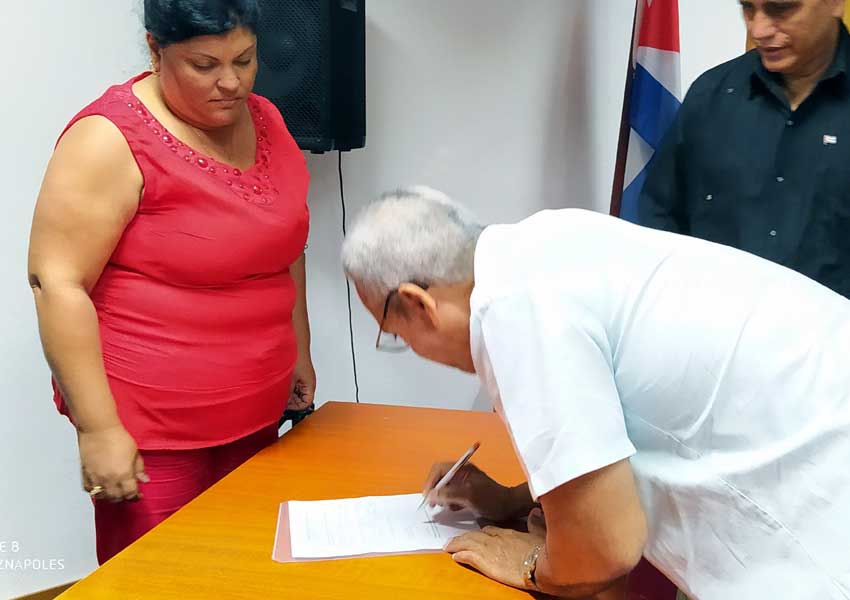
point(402, 347)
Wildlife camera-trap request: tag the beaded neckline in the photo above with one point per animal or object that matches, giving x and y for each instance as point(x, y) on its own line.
point(252, 185)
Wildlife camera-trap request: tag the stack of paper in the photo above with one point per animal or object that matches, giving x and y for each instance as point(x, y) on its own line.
point(375, 525)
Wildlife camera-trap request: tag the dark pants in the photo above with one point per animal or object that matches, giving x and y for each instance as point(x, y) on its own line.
point(647, 583)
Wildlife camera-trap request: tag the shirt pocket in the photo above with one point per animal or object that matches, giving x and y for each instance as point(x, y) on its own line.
point(829, 217)
point(713, 209)
point(721, 187)
point(716, 540)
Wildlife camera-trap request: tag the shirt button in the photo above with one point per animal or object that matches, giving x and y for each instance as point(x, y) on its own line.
point(709, 197)
point(730, 90)
point(780, 179)
point(790, 122)
point(772, 233)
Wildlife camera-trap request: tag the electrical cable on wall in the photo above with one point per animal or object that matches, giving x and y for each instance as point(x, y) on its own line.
point(348, 286)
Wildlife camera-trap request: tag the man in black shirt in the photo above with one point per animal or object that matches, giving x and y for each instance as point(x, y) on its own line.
point(758, 156)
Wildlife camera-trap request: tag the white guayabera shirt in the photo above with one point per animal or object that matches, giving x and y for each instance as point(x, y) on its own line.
point(725, 378)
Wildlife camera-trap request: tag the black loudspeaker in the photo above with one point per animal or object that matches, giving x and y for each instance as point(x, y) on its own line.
point(312, 65)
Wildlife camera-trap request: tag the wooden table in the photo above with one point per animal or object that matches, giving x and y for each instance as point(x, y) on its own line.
point(219, 546)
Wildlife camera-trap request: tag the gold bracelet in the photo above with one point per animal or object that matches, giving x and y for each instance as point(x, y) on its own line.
point(529, 567)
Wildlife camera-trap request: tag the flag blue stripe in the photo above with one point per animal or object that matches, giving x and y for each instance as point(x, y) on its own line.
point(629, 199)
point(652, 107)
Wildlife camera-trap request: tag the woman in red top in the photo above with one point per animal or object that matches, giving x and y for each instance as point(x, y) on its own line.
point(166, 259)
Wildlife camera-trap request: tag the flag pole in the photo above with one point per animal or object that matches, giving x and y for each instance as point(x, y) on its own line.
point(625, 126)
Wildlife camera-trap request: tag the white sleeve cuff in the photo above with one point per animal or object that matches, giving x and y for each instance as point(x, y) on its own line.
point(560, 468)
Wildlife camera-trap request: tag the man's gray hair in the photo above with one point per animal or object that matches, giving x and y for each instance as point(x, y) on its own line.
point(411, 235)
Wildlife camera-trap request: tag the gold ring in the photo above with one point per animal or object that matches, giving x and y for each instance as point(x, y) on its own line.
point(96, 490)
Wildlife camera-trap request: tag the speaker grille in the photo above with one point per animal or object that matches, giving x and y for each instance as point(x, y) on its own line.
point(312, 56)
point(294, 65)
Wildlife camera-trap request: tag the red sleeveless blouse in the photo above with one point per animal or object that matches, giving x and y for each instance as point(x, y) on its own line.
point(195, 304)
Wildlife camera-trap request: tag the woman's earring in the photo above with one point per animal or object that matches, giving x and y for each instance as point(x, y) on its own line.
point(154, 70)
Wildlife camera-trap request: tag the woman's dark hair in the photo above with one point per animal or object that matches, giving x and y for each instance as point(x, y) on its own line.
point(172, 21)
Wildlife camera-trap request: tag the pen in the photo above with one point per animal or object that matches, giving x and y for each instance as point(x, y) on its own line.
point(445, 479)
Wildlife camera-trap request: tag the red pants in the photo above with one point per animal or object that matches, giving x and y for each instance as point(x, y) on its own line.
point(176, 477)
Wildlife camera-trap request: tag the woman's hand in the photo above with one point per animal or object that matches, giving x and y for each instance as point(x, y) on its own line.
point(303, 389)
point(473, 489)
point(110, 459)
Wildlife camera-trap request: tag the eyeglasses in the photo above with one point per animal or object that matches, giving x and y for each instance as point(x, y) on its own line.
point(385, 342)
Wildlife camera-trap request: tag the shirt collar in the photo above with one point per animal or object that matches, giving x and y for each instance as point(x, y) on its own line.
point(762, 80)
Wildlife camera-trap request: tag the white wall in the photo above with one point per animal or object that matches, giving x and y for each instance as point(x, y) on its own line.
point(509, 106)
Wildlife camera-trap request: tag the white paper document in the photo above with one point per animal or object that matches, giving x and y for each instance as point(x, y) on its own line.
point(371, 525)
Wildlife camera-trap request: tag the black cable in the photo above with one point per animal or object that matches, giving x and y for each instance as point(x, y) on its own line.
point(348, 287)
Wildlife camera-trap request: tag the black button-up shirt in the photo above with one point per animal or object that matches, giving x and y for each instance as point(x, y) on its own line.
point(739, 167)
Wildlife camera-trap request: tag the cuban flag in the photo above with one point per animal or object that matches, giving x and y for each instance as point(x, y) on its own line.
point(653, 95)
